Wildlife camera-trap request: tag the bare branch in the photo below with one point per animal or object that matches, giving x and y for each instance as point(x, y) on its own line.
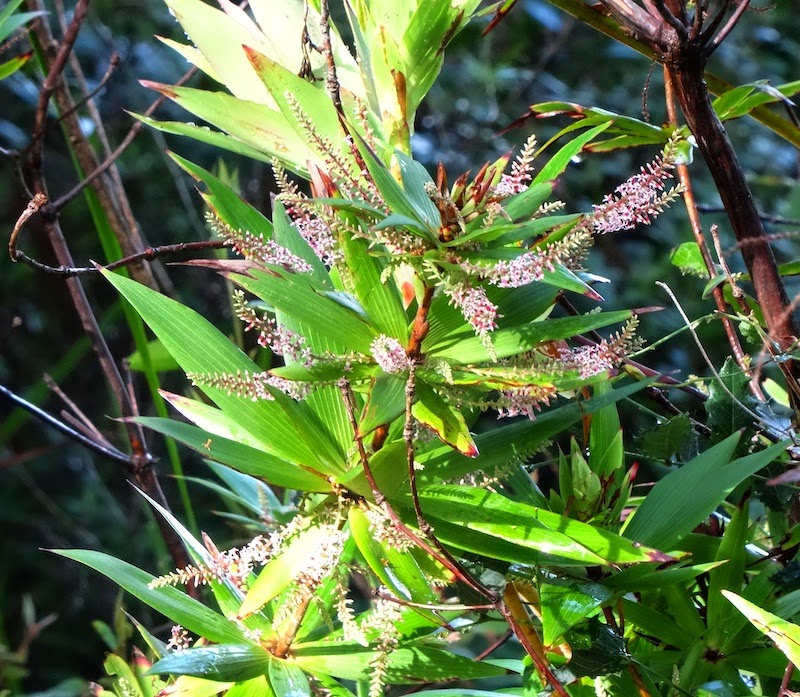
point(109, 452)
point(671, 19)
point(635, 18)
point(148, 254)
point(729, 26)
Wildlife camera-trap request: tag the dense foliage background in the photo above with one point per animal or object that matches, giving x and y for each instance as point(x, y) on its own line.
point(55, 494)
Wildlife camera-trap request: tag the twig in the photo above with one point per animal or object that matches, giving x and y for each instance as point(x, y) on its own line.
point(64, 199)
point(382, 501)
point(86, 425)
point(148, 255)
point(55, 70)
point(783, 691)
point(697, 229)
point(489, 650)
point(766, 217)
point(89, 96)
point(331, 80)
point(707, 359)
point(109, 452)
point(34, 205)
point(728, 28)
point(671, 19)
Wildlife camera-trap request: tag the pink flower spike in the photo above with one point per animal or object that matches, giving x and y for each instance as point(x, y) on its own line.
point(476, 307)
point(389, 354)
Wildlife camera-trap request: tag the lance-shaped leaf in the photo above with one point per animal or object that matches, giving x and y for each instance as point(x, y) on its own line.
point(406, 664)
point(280, 571)
point(445, 420)
point(397, 569)
point(242, 458)
point(287, 679)
point(287, 426)
point(694, 491)
point(227, 662)
point(785, 634)
point(221, 37)
point(169, 601)
point(325, 323)
point(256, 125)
point(566, 604)
point(558, 163)
point(494, 515)
point(204, 134)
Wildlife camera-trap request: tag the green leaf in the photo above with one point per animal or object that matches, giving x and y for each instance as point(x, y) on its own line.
point(730, 575)
point(291, 93)
point(255, 687)
point(724, 405)
point(445, 420)
point(127, 680)
point(243, 458)
point(281, 570)
point(644, 577)
point(385, 402)
point(221, 39)
point(566, 604)
point(229, 662)
point(203, 134)
point(415, 180)
point(626, 129)
point(406, 665)
point(287, 679)
point(509, 341)
point(284, 425)
point(10, 21)
point(255, 125)
point(689, 259)
point(11, 66)
point(672, 437)
point(398, 200)
point(396, 569)
point(325, 323)
point(558, 163)
point(514, 442)
point(495, 515)
point(228, 205)
point(523, 205)
point(785, 634)
point(743, 99)
point(161, 359)
point(171, 602)
point(606, 451)
point(694, 491)
point(381, 300)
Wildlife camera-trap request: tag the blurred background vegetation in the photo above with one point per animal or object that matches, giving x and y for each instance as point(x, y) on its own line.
point(55, 494)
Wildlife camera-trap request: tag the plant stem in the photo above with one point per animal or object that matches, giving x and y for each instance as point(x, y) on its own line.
point(685, 65)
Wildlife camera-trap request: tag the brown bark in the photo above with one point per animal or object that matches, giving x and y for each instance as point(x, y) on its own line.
point(685, 64)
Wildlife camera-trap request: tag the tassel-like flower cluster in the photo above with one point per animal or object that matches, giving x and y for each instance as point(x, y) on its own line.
point(258, 248)
point(271, 335)
point(253, 386)
point(475, 305)
point(524, 401)
point(593, 359)
point(521, 172)
point(179, 639)
point(235, 564)
point(639, 199)
point(389, 354)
